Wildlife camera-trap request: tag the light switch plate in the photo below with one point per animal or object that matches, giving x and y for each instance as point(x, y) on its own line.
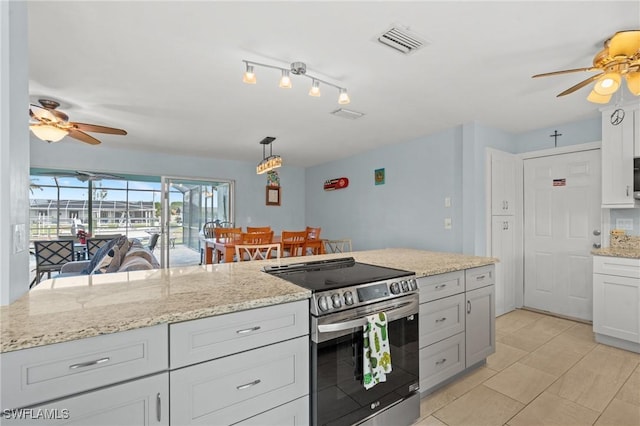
point(447, 223)
point(447, 202)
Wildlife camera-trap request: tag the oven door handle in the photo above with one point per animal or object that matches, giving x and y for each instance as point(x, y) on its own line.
point(402, 311)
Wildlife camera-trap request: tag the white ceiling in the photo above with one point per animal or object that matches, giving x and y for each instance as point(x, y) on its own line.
point(170, 73)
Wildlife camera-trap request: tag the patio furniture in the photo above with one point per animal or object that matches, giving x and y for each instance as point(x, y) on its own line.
point(94, 243)
point(51, 256)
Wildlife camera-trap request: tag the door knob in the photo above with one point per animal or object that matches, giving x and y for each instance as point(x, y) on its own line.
point(597, 245)
point(596, 232)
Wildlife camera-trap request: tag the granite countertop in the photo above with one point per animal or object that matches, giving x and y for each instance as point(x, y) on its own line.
point(59, 310)
point(631, 253)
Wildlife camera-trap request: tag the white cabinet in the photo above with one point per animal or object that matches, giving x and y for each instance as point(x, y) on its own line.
point(503, 247)
point(616, 301)
point(480, 324)
point(503, 184)
point(618, 143)
point(143, 402)
point(457, 323)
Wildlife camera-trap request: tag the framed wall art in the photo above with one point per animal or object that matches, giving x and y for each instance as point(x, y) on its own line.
point(273, 196)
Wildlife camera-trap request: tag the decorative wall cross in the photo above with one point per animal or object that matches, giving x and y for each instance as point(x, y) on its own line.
point(555, 135)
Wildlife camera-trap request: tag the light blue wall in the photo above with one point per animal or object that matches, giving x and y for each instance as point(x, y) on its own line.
point(250, 208)
point(585, 131)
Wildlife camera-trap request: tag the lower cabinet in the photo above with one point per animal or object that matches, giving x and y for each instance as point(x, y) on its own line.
point(294, 413)
point(143, 402)
point(456, 331)
point(616, 302)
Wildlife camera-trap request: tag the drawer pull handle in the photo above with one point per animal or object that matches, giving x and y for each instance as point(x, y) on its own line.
point(248, 385)
point(480, 277)
point(442, 361)
point(248, 330)
point(158, 408)
point(89, 363)
point(439, 286)
point(441, 319)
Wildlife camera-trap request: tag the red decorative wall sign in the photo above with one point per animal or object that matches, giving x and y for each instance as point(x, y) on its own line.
point(339, 183)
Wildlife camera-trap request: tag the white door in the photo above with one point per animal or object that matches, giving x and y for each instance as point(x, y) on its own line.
point(562, 199)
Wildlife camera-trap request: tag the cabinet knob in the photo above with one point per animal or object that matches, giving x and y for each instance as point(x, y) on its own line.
point(597, 245)
point(596, 232)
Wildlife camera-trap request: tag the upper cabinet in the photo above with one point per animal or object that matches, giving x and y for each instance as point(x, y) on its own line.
point(619, 141)
point(503, 184)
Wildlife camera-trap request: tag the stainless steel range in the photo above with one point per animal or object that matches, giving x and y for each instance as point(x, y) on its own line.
point(345, 292)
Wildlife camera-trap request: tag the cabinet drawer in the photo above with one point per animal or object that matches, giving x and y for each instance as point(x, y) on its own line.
point(39, 374)
point(209, 338)
point(441, 361)
point(620, 266)
point(441, 319)
point(294, 413)
point(233, 388)
point(441, 285)
point(142, 402)
point(480, 277)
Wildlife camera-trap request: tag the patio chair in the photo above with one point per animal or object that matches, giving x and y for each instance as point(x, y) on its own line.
point(153, 241)
point(51, 256)
point(94, 243)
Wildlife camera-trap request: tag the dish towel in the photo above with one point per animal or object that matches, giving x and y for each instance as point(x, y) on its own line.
point(377, 356)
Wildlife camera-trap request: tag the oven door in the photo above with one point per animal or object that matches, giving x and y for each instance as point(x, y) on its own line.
point(338, 396)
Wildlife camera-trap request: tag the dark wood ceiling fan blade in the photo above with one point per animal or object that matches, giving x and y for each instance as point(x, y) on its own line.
point(98, 129)
point(82, 136)
point(547, 74)
point(580, 85)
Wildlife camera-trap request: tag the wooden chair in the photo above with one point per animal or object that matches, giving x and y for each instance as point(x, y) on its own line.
point(50, 256)
point(258, 229)
point(293, 243)
point(338, 246)
point(256, 237)
point(225, 234)
point(257, 251)
point(313, 244)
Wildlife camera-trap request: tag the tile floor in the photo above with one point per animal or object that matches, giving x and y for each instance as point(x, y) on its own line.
point(546, 371)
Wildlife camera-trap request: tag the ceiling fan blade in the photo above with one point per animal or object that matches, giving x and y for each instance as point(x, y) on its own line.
point(580, 85)
point(82, 136)
point(546, 74)
point(41, 114)
point(99, 129)
point(98, 175)
point(625, 43)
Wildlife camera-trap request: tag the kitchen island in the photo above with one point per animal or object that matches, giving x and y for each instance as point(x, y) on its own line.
point(115, 344)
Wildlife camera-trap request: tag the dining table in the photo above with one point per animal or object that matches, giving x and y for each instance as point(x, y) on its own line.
point(226, 247)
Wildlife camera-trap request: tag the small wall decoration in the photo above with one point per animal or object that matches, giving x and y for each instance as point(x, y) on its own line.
point(273, 179)
point(378, 176)
point(338, 183)
point(273, 195)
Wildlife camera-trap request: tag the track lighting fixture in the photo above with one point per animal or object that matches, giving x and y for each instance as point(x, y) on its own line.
point(297, 68)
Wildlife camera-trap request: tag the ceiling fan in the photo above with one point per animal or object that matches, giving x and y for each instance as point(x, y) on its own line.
point(84, 176)
point(52, 125)
point(619, 58)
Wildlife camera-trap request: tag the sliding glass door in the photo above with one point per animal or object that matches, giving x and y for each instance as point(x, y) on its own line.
point(187, 204)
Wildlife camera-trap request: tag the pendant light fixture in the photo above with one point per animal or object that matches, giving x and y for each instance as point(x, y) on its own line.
point(272, 161)
point(48, 132)
point(297, 68)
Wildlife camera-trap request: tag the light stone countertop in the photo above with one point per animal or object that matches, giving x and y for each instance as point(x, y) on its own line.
point(631, 253)
point(59, 310)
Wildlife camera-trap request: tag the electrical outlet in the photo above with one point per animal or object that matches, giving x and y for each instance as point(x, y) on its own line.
point(447, 201)
point(626, 224)
point(447, 223)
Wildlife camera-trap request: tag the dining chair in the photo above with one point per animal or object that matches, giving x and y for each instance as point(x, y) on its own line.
point(230, 235)
point(245, 252)
point(51, 255)
point(338, 246)
point(313, 244)
point(94, 243)
point(293, 243)
point(258, 229)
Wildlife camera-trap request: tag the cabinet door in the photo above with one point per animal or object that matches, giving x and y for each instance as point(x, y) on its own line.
point(143, 402)
point(294, 413)
point(616, 302)
point(480, 324)
point(503, 183)
point(617, 161)
point(503, 248)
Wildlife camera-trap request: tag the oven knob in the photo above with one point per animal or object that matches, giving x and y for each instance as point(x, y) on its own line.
point(395, 288)
point(414, 284)
point(337, 302)
point(405, 286)
point(348, 298)
point(323, 303)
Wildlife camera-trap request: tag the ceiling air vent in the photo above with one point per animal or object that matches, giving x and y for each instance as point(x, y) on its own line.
point(346, 113)
point(402, 40)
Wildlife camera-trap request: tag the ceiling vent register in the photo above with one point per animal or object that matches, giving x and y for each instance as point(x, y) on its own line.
point(402, 40)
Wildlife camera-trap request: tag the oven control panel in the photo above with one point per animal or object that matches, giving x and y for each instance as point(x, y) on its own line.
point(341, 299)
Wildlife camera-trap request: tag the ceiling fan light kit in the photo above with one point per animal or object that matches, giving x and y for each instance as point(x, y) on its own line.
point(297, 68)
point(47, 132)
point(619, 58)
